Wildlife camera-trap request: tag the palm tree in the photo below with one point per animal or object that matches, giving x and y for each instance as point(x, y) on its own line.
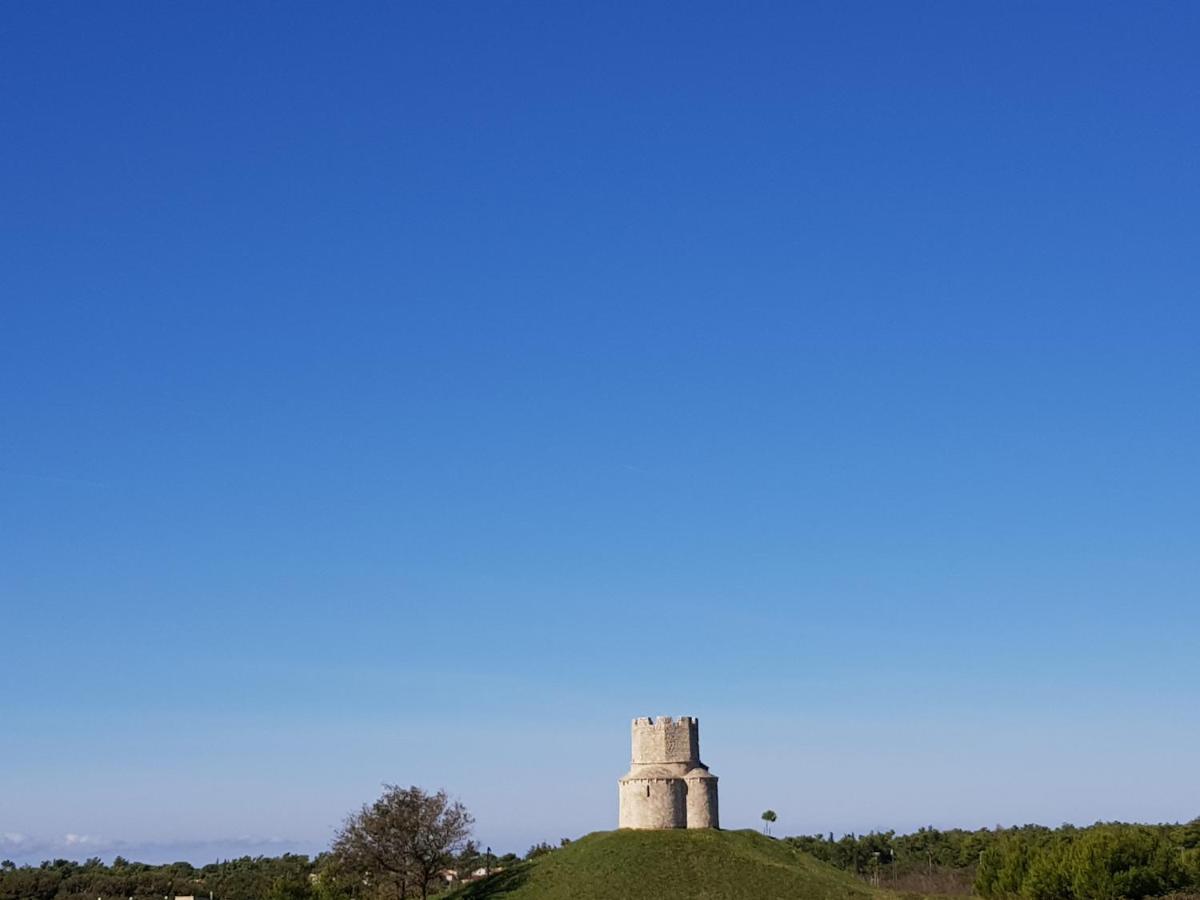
point(768, 817)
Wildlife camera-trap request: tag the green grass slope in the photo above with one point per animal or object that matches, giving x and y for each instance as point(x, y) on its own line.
point(664, 865)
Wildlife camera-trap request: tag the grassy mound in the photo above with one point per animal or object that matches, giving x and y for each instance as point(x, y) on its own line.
point(664, 865)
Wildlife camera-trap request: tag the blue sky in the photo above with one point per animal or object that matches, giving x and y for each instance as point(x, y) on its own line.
point(418, 393)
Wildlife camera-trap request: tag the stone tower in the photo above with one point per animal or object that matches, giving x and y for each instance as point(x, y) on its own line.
point(667, 786)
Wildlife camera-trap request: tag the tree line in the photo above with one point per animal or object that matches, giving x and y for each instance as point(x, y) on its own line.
point(407, 844)
point(286, 877)
point(1105, 861)
point(411, 844)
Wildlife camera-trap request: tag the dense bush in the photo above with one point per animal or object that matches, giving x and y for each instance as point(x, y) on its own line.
point(1106, 861)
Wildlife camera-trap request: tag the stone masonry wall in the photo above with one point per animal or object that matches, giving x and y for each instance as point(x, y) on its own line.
point(665, 740)
point(702, 803)
point(667, 786)
point(653, 803)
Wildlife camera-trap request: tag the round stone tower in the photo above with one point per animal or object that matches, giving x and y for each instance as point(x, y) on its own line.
point(667, 786)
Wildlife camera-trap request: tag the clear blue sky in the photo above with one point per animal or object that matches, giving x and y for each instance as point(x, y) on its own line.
point(416, 393)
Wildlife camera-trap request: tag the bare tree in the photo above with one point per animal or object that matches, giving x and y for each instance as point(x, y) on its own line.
point(404, 839)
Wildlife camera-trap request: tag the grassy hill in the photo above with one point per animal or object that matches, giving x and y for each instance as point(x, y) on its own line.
point(664, 865)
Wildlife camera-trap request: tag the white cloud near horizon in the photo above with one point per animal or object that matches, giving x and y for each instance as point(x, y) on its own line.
point(26, 849)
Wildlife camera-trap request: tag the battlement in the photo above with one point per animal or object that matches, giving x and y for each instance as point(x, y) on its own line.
point(662, 739)
point(664, 721)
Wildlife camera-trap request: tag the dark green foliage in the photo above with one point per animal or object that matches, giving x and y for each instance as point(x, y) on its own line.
point(291, 887)
point(1106, 861)
point(287, 877)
